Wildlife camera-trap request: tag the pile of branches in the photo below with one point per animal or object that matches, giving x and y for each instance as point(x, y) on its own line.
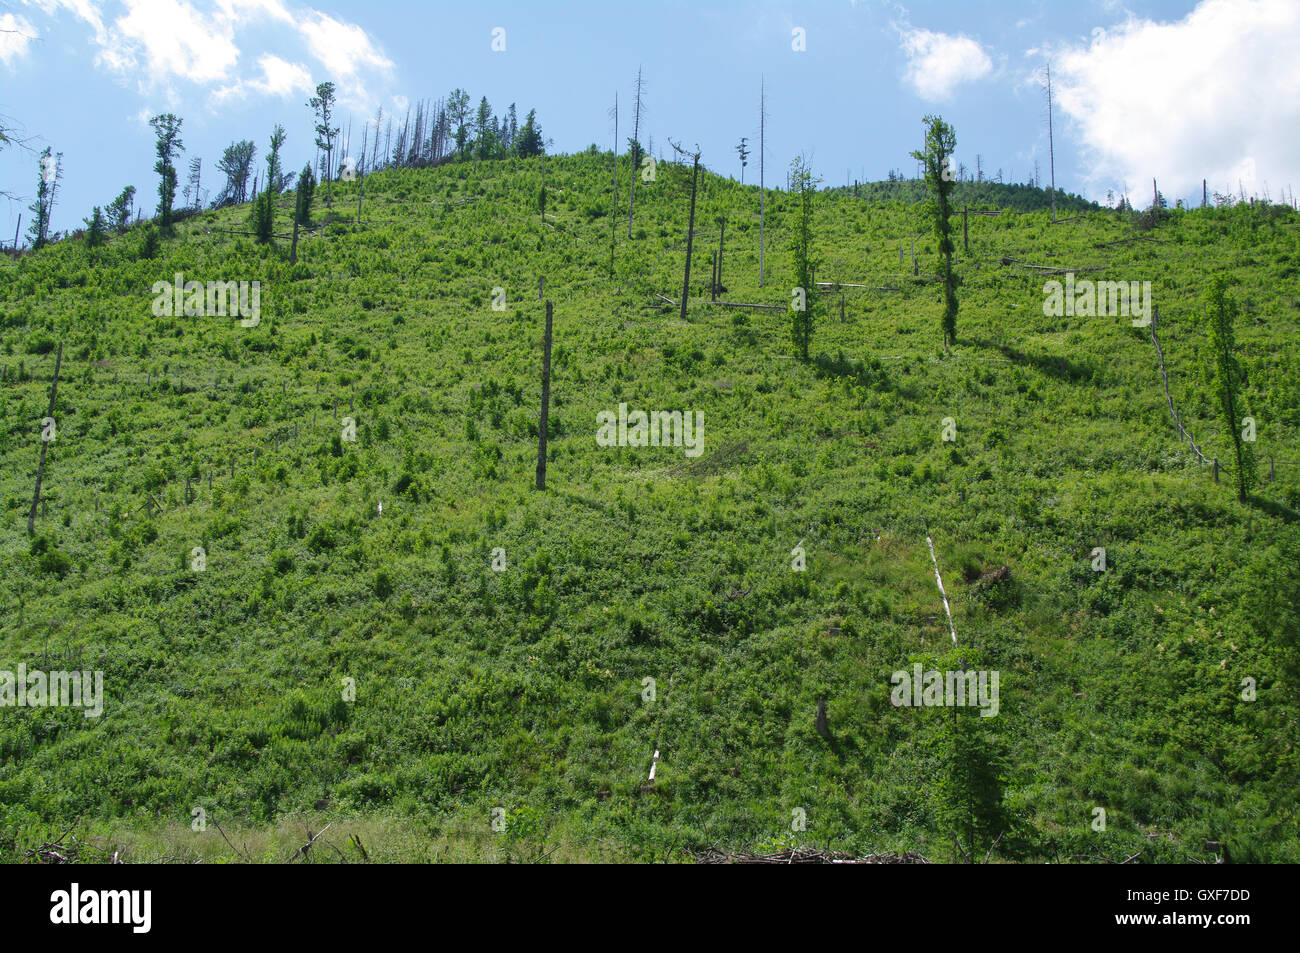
point(71, 852)
point(803, 855)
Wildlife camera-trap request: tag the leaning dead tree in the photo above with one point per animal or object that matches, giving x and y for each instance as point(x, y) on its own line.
point(690, 228)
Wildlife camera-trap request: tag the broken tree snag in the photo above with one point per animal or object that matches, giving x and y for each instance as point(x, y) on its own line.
point(690, 227)
point(822, 728)
point(722, 238)
point(690, 236)
point(546, 402)
point(40, 467)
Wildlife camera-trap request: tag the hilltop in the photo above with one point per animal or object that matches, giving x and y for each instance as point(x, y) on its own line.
point(526, 689)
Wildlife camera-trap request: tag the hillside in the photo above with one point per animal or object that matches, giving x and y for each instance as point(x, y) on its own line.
point(524, 689)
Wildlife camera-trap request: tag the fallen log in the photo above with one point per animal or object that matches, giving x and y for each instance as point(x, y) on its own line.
point(1050, 269)
point(741, 304)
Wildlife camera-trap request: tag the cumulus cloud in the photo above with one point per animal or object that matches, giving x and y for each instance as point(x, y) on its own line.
point(279, 78)
point(1215, 95)
point(344, 48)
point(937, 63)
point(167, 38)
point(158, 42)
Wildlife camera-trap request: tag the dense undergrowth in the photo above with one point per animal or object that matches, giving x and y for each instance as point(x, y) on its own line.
point(524, 689)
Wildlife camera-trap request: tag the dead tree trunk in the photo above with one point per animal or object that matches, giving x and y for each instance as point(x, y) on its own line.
point(762, 186)
point(690, 236)
point(546, 402)
point(40, 467)
point(613, 214)
point(636, 147)
point(1051, 142)
point(293, 249)
point(722, 239)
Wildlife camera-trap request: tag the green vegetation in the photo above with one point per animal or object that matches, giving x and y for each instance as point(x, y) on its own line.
point(525, 689)
point(1224, 374)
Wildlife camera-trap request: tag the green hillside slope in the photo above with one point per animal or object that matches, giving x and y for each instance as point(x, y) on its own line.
point(230, 689)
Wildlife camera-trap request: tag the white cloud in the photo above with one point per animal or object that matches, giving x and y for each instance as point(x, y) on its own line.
point(344, 48)
point(247, 11)
point(87, 10)
point(159, 41)
point(172, 39)
point(1215, 95)
point(937, 63)
point(279, 78)
point(16, 34)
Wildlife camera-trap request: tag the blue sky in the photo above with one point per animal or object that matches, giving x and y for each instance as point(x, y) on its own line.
point(1172, 90)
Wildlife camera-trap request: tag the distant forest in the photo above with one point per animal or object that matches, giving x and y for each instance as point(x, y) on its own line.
point(1021, 196)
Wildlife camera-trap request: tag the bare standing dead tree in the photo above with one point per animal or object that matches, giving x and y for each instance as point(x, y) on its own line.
point(1051, 146)
point(762, 192)
point(613, 213)
point(636, 145)
point(690, 228)
point(194, 181)
point(379, 121)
